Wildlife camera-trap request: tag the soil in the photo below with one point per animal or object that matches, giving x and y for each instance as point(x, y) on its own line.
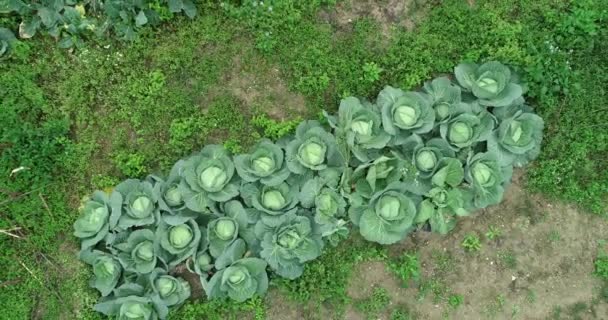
point(388, 14)
point(260, 88)
point(540, 266)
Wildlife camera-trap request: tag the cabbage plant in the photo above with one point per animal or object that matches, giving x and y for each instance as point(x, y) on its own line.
point(98, 216)
point(207, 178)
point(272, 202)
point(129, 301)
point(223, 231)
point(140, 203)
point(361, 127)
point(179, 242)
point(139, 253)
point(426, 156)
point(167, 291)
point(265, 163)
point(517, 139)
point(405, 113)
point(469, 126)
point(171, 201)
point(492, 83)
point(240, 281)
point(445, 96)
point(106, 270)
point(314, 150)
point(388, 216)
point(486, 178)
point(288, 245)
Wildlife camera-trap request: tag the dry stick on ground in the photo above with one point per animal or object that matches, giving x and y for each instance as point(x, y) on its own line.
point(46, 206)
point(7, 232)
point(10, 282)
point(3, 203)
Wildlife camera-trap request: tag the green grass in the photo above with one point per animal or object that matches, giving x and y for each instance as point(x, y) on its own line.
point(76, 121)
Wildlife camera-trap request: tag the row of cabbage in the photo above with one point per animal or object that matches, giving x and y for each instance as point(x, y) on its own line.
point(71, 21)
point(408, 161)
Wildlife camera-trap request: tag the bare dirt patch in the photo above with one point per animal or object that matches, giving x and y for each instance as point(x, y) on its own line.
point(389, 14)
point(541, 262)
point(260, 88)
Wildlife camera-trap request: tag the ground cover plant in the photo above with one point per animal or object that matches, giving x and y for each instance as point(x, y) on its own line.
point(78, 120)
point(407, 160)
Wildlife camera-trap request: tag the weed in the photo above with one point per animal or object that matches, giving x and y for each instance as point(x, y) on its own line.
point(554, 236)
point(601, 267)
point(507, 258)
point(407, 268)
point(471, 243)
point(455, 300)
point(401, 313)
point(493, 233)
point(376, 303)
point(530, 296)
point(274, 129)
point(371, 72)
point(444, 262)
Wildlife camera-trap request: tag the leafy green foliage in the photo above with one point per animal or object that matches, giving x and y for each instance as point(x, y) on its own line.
point(471, 243)
point(601, 267)
point(70, 21)
point(407, 268)
point(375, 304)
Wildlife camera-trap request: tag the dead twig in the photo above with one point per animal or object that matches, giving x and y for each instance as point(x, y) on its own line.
point(3, 203)
point(10, 282)
point(8, 232)
point(46, 206)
